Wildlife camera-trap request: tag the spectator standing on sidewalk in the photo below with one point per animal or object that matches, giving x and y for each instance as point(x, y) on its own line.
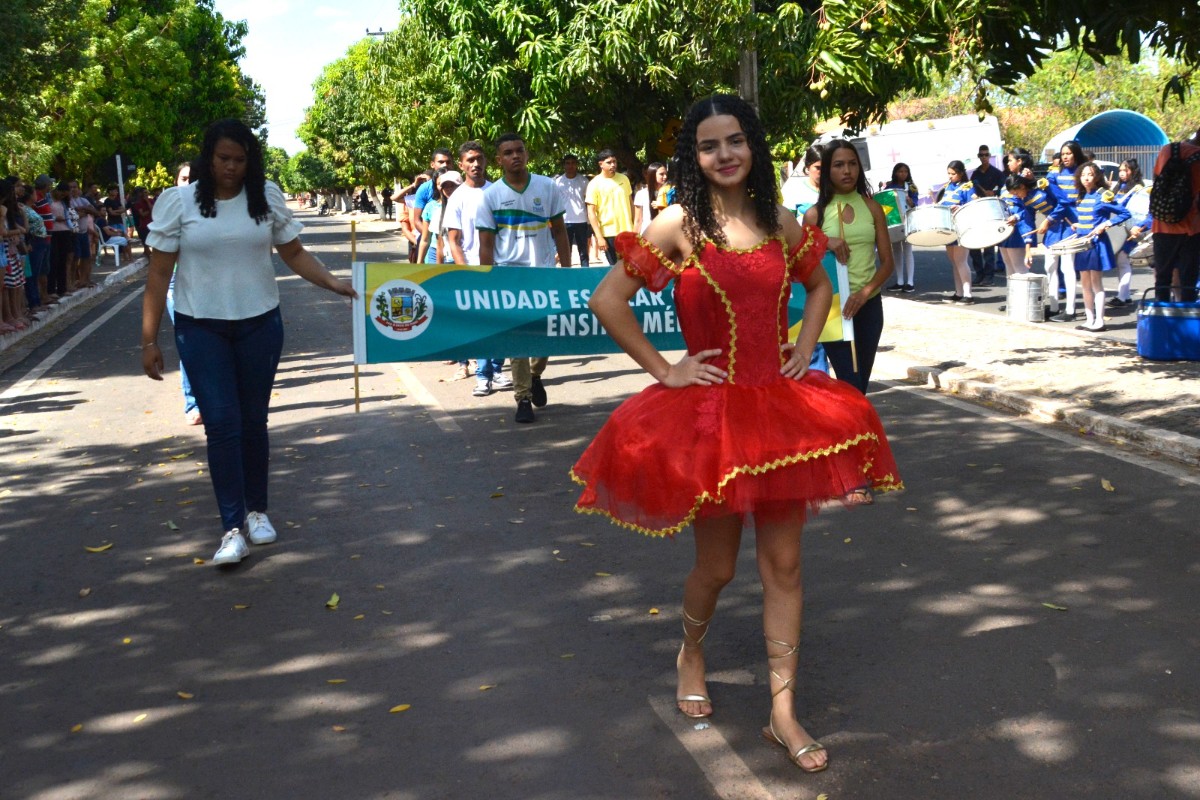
point(520, 224)
point(801, 189)
point(41, 237)
point(85, 256)
point(1177, 244)
point(573, 187)
point(609, 201)
point(462, 235)
point(987, 181)
point(62, 242)
point(220, 230)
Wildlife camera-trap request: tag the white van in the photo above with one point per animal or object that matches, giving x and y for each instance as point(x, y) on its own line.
point(927, 146)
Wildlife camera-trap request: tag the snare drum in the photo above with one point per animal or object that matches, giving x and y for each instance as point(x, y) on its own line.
point(983, 222)
point(930, 226)
point(1071, 245)
point(1143, 254)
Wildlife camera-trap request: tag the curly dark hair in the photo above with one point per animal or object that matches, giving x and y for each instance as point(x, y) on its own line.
point(692, 188)
point(255, 182)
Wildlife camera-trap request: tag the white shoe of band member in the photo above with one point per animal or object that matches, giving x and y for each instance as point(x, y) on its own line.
point(233, 548)
point(260, 528)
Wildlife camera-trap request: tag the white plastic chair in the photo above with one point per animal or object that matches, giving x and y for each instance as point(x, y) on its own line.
point(114, 244)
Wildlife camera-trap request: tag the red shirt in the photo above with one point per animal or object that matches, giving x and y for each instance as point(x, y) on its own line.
point(41, 204)
point(1191, 223)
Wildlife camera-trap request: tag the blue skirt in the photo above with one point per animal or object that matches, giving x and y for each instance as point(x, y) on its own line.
point(1097, 258)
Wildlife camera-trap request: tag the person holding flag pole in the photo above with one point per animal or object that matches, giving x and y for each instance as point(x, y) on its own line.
point(858, 240)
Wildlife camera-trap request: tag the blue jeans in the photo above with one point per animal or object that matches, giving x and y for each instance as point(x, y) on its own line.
point(39, 256)
point(189, 399)
point(488, 368)
point(232, 365)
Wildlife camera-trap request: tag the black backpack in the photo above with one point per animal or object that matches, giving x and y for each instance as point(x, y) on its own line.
point(1172, 196)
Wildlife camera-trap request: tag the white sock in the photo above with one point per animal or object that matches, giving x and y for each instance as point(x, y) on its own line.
point(1099, 321)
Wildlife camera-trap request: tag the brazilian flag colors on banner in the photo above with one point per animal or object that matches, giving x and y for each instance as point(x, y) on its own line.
point(435, 312)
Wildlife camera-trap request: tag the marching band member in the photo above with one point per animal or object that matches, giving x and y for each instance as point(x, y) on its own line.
point(1097, 211)
point(1131, 184)
point(902, 251)
point(959, 191)
point(1062, 183)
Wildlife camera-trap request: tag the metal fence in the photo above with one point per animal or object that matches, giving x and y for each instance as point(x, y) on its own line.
point(1145, 155)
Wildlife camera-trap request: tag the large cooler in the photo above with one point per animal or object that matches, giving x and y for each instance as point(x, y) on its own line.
point(1168, 331)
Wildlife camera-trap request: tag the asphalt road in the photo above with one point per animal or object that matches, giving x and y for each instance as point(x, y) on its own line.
point(1005, 628)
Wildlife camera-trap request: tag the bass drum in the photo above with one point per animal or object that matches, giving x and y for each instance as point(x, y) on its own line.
point(930, 226)
point(983, 222)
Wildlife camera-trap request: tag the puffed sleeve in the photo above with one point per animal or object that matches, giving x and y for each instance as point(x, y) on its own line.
point(167, 224)
point(284, 227)
point(645, 261)
point(807, 254)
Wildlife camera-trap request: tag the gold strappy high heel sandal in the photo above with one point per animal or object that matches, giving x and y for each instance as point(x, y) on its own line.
point(769, 732)
point(689, 643)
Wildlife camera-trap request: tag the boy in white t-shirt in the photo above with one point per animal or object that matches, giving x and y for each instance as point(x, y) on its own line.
point(573, 186)
point(458, 226)
point(520, 224)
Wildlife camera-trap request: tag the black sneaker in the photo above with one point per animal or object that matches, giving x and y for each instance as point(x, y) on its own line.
point(895, 287)
point(1063, 317)
point(908, 288)
point(524, 411)
point(951, 298)
point(1117, 302)
point(966, 301)
point(538, 392)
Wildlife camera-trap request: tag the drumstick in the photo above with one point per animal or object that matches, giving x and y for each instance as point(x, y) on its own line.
point(842, 236)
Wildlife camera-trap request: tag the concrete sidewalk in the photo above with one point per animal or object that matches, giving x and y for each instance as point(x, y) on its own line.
point(1098, 385)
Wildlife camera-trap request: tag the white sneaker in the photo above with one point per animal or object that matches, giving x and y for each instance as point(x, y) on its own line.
point(233, 548)
point(260, 528)
point(483, 387)
point(501, 381)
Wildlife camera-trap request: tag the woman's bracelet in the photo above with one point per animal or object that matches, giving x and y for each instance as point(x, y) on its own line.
point(149, 344)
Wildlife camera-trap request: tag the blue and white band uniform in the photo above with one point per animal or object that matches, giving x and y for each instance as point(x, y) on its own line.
point(1095, 209)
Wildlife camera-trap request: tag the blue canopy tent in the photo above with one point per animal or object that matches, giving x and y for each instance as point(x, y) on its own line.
point(1113, 135)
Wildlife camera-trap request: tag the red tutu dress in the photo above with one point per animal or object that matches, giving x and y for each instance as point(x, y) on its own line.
point(754, 442)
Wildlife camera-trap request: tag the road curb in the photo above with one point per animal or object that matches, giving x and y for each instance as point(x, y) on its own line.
point(1155, 441)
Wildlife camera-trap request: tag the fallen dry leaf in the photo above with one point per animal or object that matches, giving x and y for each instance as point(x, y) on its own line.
point(84, 592)
point(139, 718)
point(567, 655)
point(1053, 607)
point(127, 640)
point(76, 728)
point(1108, 487)
point(846, 540)
point(198, 561)
point(336, 681)
point(497, 494)
point(99, 549)
point(586, 544)
point(360, 616)
point(171, 526)
point(603, 574)
point(654, 611)
point(339, 728)
point(399, 709)
point(241, 606)
point(333, 601)
point(184, 695)
point(487, 686)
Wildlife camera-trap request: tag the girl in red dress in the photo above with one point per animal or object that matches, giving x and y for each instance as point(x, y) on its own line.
point(739, 425)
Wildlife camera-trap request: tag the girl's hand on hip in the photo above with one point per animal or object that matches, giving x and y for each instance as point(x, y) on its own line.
point(692, 371)
point(796, 366)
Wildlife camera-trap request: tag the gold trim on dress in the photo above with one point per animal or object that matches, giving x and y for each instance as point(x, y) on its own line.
point(725, 301)
point(887, 483)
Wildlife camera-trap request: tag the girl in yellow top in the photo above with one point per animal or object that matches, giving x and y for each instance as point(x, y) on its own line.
point(858, 237)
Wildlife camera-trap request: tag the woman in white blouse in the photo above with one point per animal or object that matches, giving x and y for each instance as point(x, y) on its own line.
point(219, 230)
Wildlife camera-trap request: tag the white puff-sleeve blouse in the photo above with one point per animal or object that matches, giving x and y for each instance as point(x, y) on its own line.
point(224, 268)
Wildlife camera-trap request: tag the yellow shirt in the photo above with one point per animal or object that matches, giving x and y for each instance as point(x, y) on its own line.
point(859, 236)
point(611, 198)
